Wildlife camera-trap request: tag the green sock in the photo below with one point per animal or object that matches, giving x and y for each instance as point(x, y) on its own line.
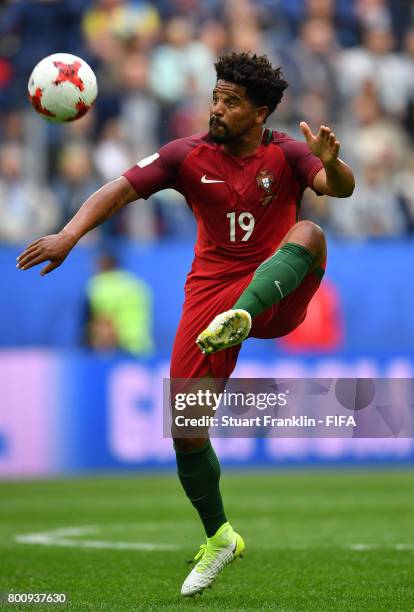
point(275, 278)
point(199, 474)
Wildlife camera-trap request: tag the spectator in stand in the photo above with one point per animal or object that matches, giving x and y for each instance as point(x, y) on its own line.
point(111, 157)
point(310, 67)
point(245, 28)
point(174, 218)
point(404, 185)
point(370, 135)
point(76, 179)
point(202, 9)
point(191, 113)
point(118, 310)
point(372, 211)
point(140, 112)
point(408, 59)
point(83, 130)
point(111, 152)
point(246, 37)
point(373, 14)
point(316, 208)
point(181, 66)
point(375, 143)
point(27, 209)
point(110, 26)
point(340, 12)
point(377, 62)
point(213, 35)
point(121, 19)
point(402, 17)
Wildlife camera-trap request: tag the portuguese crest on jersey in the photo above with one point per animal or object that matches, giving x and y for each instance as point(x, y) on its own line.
point(265, 180)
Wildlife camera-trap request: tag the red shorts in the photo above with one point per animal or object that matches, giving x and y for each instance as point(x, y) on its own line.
point(206, 299)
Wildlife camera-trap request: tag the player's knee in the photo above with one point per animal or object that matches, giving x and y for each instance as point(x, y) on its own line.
point(312, 237)
point(312, 230)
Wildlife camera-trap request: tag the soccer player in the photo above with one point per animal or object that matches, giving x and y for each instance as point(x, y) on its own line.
point(256, 267)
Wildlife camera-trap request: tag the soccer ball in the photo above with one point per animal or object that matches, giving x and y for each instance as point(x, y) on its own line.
point(62, 87)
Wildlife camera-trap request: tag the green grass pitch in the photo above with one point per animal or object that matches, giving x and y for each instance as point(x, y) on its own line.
point(317, 540)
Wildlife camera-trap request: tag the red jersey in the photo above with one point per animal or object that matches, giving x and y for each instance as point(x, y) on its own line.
point(243, 205)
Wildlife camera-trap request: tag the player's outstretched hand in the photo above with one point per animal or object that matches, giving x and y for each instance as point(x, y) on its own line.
point(53, 248)
point(324, 144)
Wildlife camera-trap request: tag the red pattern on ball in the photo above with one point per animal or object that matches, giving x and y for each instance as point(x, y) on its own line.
point(36, 102)
point(69, 72)
point(82, 109)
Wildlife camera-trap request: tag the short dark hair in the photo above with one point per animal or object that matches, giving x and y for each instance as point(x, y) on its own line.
point(264, 84)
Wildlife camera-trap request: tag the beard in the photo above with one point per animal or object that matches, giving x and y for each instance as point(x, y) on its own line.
point(219, 132)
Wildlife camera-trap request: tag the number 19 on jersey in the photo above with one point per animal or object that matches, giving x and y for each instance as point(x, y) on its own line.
point(246, 223)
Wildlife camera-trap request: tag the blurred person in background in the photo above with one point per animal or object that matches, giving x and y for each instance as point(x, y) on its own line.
point(174, 218)
point(180, 67)
point(244, 28)
point(189, 115)
point(111, 27)
point(378, 147)
point(76, 178)
point(373, 14)
point(140, 112)
point(121, 19)
point(118, 310)
point(26, 207)
point(317, 208)
point(404, 186)
point(111, 152)
point(341, 13)
point(370, 135)
point(247, 37)
point(311, 67)
point(214, 36)
point(373, 210)
point(377, 62)
point(202, 9)
point(408, 59)
point(111, 156)
point(82, 130)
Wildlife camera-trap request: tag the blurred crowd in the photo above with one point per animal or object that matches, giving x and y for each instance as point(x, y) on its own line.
point(349, 64)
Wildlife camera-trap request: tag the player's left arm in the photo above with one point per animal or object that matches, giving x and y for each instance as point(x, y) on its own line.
point(336, 177)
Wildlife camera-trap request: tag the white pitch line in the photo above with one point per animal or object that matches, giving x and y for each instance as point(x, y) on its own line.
point(60, 537)
point(404, 546)
point(363, 547)
point(63, 537)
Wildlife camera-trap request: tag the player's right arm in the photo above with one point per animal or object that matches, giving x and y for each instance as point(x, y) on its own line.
point(151, 174)
point(98, 208)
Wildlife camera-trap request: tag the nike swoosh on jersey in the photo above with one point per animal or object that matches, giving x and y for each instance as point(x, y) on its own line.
point(277, 283)
point(204, 179)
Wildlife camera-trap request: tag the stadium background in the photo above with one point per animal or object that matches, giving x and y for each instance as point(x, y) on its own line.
point(350, 64)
